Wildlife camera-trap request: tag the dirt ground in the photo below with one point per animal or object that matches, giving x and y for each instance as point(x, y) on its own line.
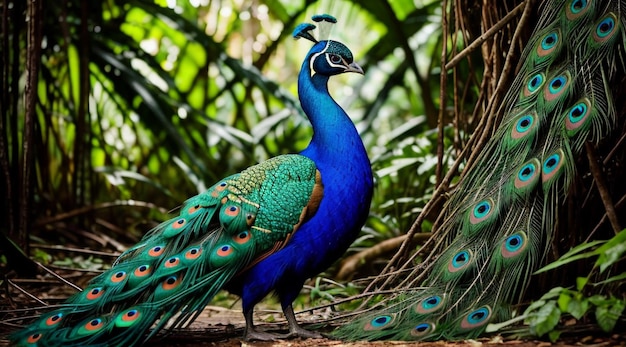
point(229, 336)
point(223, 327)
point(608, 341)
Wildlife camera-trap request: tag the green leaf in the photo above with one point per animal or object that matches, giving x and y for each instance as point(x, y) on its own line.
point(554, 335)
point(617, 278)
point(573, 303)
point(564, 300)
point(607, 315)
point(545, 319)
point(572, 255)
point(612, 251)
point(578, 306)
point(599, 300)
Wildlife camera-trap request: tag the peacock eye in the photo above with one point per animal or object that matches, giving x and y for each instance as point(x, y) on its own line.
point(335, 59)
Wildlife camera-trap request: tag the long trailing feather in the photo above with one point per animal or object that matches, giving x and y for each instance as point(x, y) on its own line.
point(181, 264)
point(500, 219)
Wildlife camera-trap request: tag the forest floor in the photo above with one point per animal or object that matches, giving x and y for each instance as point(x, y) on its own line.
point(222, 327)
point(229, 324)
point(486, 343)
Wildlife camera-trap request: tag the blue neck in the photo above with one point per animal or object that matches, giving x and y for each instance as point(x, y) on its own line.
point(335, 138)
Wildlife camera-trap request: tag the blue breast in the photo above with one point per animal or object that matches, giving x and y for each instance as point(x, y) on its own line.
point(339, 154)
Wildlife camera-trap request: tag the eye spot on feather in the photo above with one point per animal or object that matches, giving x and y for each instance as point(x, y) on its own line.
point(605, 28)
point(143, 270)
point(422, 329)
point(577, 116)
point(514, 245)
point(94, 293)
point(224, 251)
point(481, 211)
point(476, 318)
point(127, 318)
point(130, 315)
point(172, 262)
point(193, 253)
point(430, 304)
point(193, 209)
point(34, 338)
point(557, 83)
point(578, 5)
point(243, 237)
point(524, 123)
point(232, 211)
point(526, 171)
point(527, 175)
point(378, 323)
point(549, 40)
point(557, 86)
point(250, 218)
point(523, 126)
point(172, 282)
point(460, 261)
point(432, 301)
point(534, 83)
point(156, 251)
point(118, 277)
point(548, 43)
point(94, 325)
point(577, 111)
point(179, 223)
point(552, 165)
point(54, 319)
point(576, 9)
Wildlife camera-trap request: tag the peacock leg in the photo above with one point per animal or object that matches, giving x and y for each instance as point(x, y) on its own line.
point(294, 329)
point(252, 334)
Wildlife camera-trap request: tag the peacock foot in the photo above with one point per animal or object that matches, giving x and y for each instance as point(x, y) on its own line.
point(302, 333)
point(255, 335)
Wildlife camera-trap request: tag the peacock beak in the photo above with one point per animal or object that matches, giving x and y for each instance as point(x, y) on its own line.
point(354, 67)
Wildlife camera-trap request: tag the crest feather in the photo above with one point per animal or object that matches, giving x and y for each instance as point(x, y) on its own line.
point(324, 22)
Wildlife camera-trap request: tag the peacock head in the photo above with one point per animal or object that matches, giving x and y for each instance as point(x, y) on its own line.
point(327, 57)
point(332, 58)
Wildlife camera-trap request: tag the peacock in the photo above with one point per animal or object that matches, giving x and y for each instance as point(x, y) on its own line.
point(267, 228)
point(498, 223)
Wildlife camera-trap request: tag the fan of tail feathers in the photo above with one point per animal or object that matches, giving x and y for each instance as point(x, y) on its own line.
point(270, 227)
point(500, 219)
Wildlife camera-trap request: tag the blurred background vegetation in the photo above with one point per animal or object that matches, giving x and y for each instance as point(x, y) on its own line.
point(138, 105)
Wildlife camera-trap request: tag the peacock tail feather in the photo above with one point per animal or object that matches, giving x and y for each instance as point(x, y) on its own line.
point(182, 263)
point(499, 222)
